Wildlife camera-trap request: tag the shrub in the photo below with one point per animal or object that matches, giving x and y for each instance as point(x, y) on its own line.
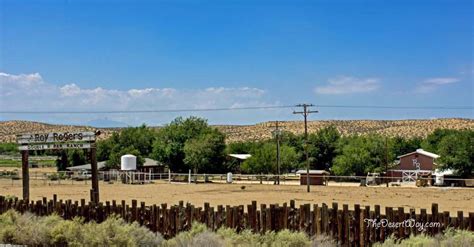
point(291, 239)
point(323, 241)
point(450, 238)
point(207, 239)
point(69, 232)
point(247, 238)
point(28, 229)
point(184, 239)
point(116, 232)
point(244, 238)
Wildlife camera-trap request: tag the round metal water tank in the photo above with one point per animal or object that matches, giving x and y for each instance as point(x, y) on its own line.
point(128, 162)
point(229, 177)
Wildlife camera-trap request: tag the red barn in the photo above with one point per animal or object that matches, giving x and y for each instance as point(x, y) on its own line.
point(414, 164)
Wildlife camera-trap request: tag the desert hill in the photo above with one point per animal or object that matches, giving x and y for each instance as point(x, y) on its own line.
point(404, 128)
point(260, 131)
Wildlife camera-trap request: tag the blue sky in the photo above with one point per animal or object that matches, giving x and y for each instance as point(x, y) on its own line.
point(125, 55)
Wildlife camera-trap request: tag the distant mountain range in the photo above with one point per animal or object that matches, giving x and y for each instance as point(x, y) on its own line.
point(106, 123)
point(261, 131)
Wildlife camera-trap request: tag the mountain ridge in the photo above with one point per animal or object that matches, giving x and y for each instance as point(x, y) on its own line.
point(260, 131)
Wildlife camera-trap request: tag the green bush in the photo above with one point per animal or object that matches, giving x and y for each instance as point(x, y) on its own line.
point(274, 239)
point(27, 229)
point(116, 232)
point(57, 176)
point(68, 232)
point(450, 238)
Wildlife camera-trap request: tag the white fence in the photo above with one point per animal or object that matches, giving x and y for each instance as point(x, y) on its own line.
point(134, 177)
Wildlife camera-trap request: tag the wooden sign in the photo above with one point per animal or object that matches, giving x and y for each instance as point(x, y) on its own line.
point(55, 137)
point(73, 145)
point(58, 141)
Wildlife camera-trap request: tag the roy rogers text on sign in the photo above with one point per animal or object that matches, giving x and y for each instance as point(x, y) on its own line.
point(56, 137)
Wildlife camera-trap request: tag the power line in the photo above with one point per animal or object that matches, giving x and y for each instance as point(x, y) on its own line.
point(399, 107)
point(148, 111)
point(240, 108)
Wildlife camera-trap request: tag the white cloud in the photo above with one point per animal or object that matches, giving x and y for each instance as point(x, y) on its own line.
point(349, 85)
point(29, 92)
point(70, 90)
point(432, 84)
point(440, 81)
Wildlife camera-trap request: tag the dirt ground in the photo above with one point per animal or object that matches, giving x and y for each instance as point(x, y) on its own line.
point(448, 199)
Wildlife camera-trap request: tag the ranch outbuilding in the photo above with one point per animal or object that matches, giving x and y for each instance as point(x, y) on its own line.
point(316, 177)
point(412, 165)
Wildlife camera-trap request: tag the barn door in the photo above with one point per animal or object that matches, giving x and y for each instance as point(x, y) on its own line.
point(409, 176)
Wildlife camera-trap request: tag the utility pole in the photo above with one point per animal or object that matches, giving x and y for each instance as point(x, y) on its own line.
point(305, 114)
point(277, 133)
point(386, 162)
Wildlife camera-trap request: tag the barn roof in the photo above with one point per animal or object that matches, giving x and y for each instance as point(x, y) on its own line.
point(100, 165)
point(241, 156)
point(318, 172)
point(422, 152)
point(151, 162)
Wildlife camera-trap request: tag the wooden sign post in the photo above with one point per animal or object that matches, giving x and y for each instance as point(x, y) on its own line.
point(58, 141)
point(25, 175)
point(95, 178)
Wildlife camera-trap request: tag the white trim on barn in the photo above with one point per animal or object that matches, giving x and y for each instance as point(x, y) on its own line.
point(422, 152)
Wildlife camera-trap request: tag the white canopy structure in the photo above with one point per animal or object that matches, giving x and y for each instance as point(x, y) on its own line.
point(241, 156)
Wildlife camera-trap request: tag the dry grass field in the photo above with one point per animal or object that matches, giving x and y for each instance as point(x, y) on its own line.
point(449, 199)
point(404, 128)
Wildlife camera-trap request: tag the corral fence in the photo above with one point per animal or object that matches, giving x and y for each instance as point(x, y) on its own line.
point(137, 177)
point(358, 226)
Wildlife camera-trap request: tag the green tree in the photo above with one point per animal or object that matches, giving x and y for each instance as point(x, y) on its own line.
point(132, 140)
point(76, 157)
point(359, 155)
point(244, 147)
point(431, 142)
point(457, 152)
point(206, 152)
point(402, 145)
point(9, 148)
point(322, 147)
point(168, 146)
point(104, 147)
point(263, 159)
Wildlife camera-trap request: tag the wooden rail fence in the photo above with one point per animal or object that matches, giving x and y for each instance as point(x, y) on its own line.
point(355, 227)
